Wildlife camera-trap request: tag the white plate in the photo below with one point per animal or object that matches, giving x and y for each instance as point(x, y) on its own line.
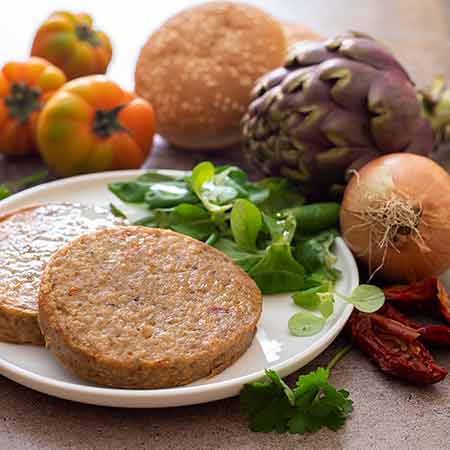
point(273, 347)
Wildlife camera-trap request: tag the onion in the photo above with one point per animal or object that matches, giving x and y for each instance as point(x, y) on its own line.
point(395, 217)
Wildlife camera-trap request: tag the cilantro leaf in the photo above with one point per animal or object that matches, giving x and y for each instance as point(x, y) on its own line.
point(314, 403)
point(268, 404)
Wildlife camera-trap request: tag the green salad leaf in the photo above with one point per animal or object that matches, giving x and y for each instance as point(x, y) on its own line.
point(241, 257)
point(168, 194)
point(326, 305)
point(192, 220)
point(246, 223)
point(278, 271)
point(129, 192)
point(365, 298)
point(310, 298)
point(305, 324)
point(282, 195)
point(315, 253)
point(255, 223)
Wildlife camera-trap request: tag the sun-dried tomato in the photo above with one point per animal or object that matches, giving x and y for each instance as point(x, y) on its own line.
point(428, 297)
point(389, 311)
point(444, 301)
point(434, 335)
point(394, 347)
point(417, 292)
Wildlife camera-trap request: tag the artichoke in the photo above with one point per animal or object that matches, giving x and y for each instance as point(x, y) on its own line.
point(334, 106)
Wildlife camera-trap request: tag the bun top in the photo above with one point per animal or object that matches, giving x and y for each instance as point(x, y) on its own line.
point(295, 32)
point(199, 67)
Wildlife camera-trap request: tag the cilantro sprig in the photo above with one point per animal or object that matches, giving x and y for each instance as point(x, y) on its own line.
point(313, 403)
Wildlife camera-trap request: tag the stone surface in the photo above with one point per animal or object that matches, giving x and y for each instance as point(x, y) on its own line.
point(388, 413)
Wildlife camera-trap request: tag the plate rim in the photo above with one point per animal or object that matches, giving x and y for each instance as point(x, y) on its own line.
point(118, 397)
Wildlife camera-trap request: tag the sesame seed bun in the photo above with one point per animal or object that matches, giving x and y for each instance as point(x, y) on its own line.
point(199, 67)
point(295, 32)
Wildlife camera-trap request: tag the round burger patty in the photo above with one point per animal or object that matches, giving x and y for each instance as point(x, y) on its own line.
point(137, 307)
point(29, 236)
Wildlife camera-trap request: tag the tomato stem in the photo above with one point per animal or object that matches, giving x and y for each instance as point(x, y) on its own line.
point(86, 34)
point(22, 101)
point(105, 122)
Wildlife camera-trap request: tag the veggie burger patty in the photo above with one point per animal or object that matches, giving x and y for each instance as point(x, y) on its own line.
point(137, 307)
point(29, 236)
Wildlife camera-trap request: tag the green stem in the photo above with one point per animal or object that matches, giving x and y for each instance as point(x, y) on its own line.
point(10, 187)
point(27, 181)
point(338, 356)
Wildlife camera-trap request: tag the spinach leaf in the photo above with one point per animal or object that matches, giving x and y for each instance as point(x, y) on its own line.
point(241, 257)
point(314, 253)
point(278, 271)
point(282, 195)
point(246, 223)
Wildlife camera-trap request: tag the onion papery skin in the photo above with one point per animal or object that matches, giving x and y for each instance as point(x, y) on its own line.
point(406, 176)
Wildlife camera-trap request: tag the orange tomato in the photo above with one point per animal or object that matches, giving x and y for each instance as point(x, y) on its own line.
point(69, 41)
point(92, 125)
point(24, 89)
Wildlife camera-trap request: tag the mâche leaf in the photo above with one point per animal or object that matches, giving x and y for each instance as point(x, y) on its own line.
point(246, 223)
point(201, 173)
point(191, 220)
point(278, 271)
point(241, 257)
point(305, 324)
point(365, 298)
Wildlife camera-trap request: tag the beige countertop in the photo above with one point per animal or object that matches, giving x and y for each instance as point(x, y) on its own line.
point(387, 413)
